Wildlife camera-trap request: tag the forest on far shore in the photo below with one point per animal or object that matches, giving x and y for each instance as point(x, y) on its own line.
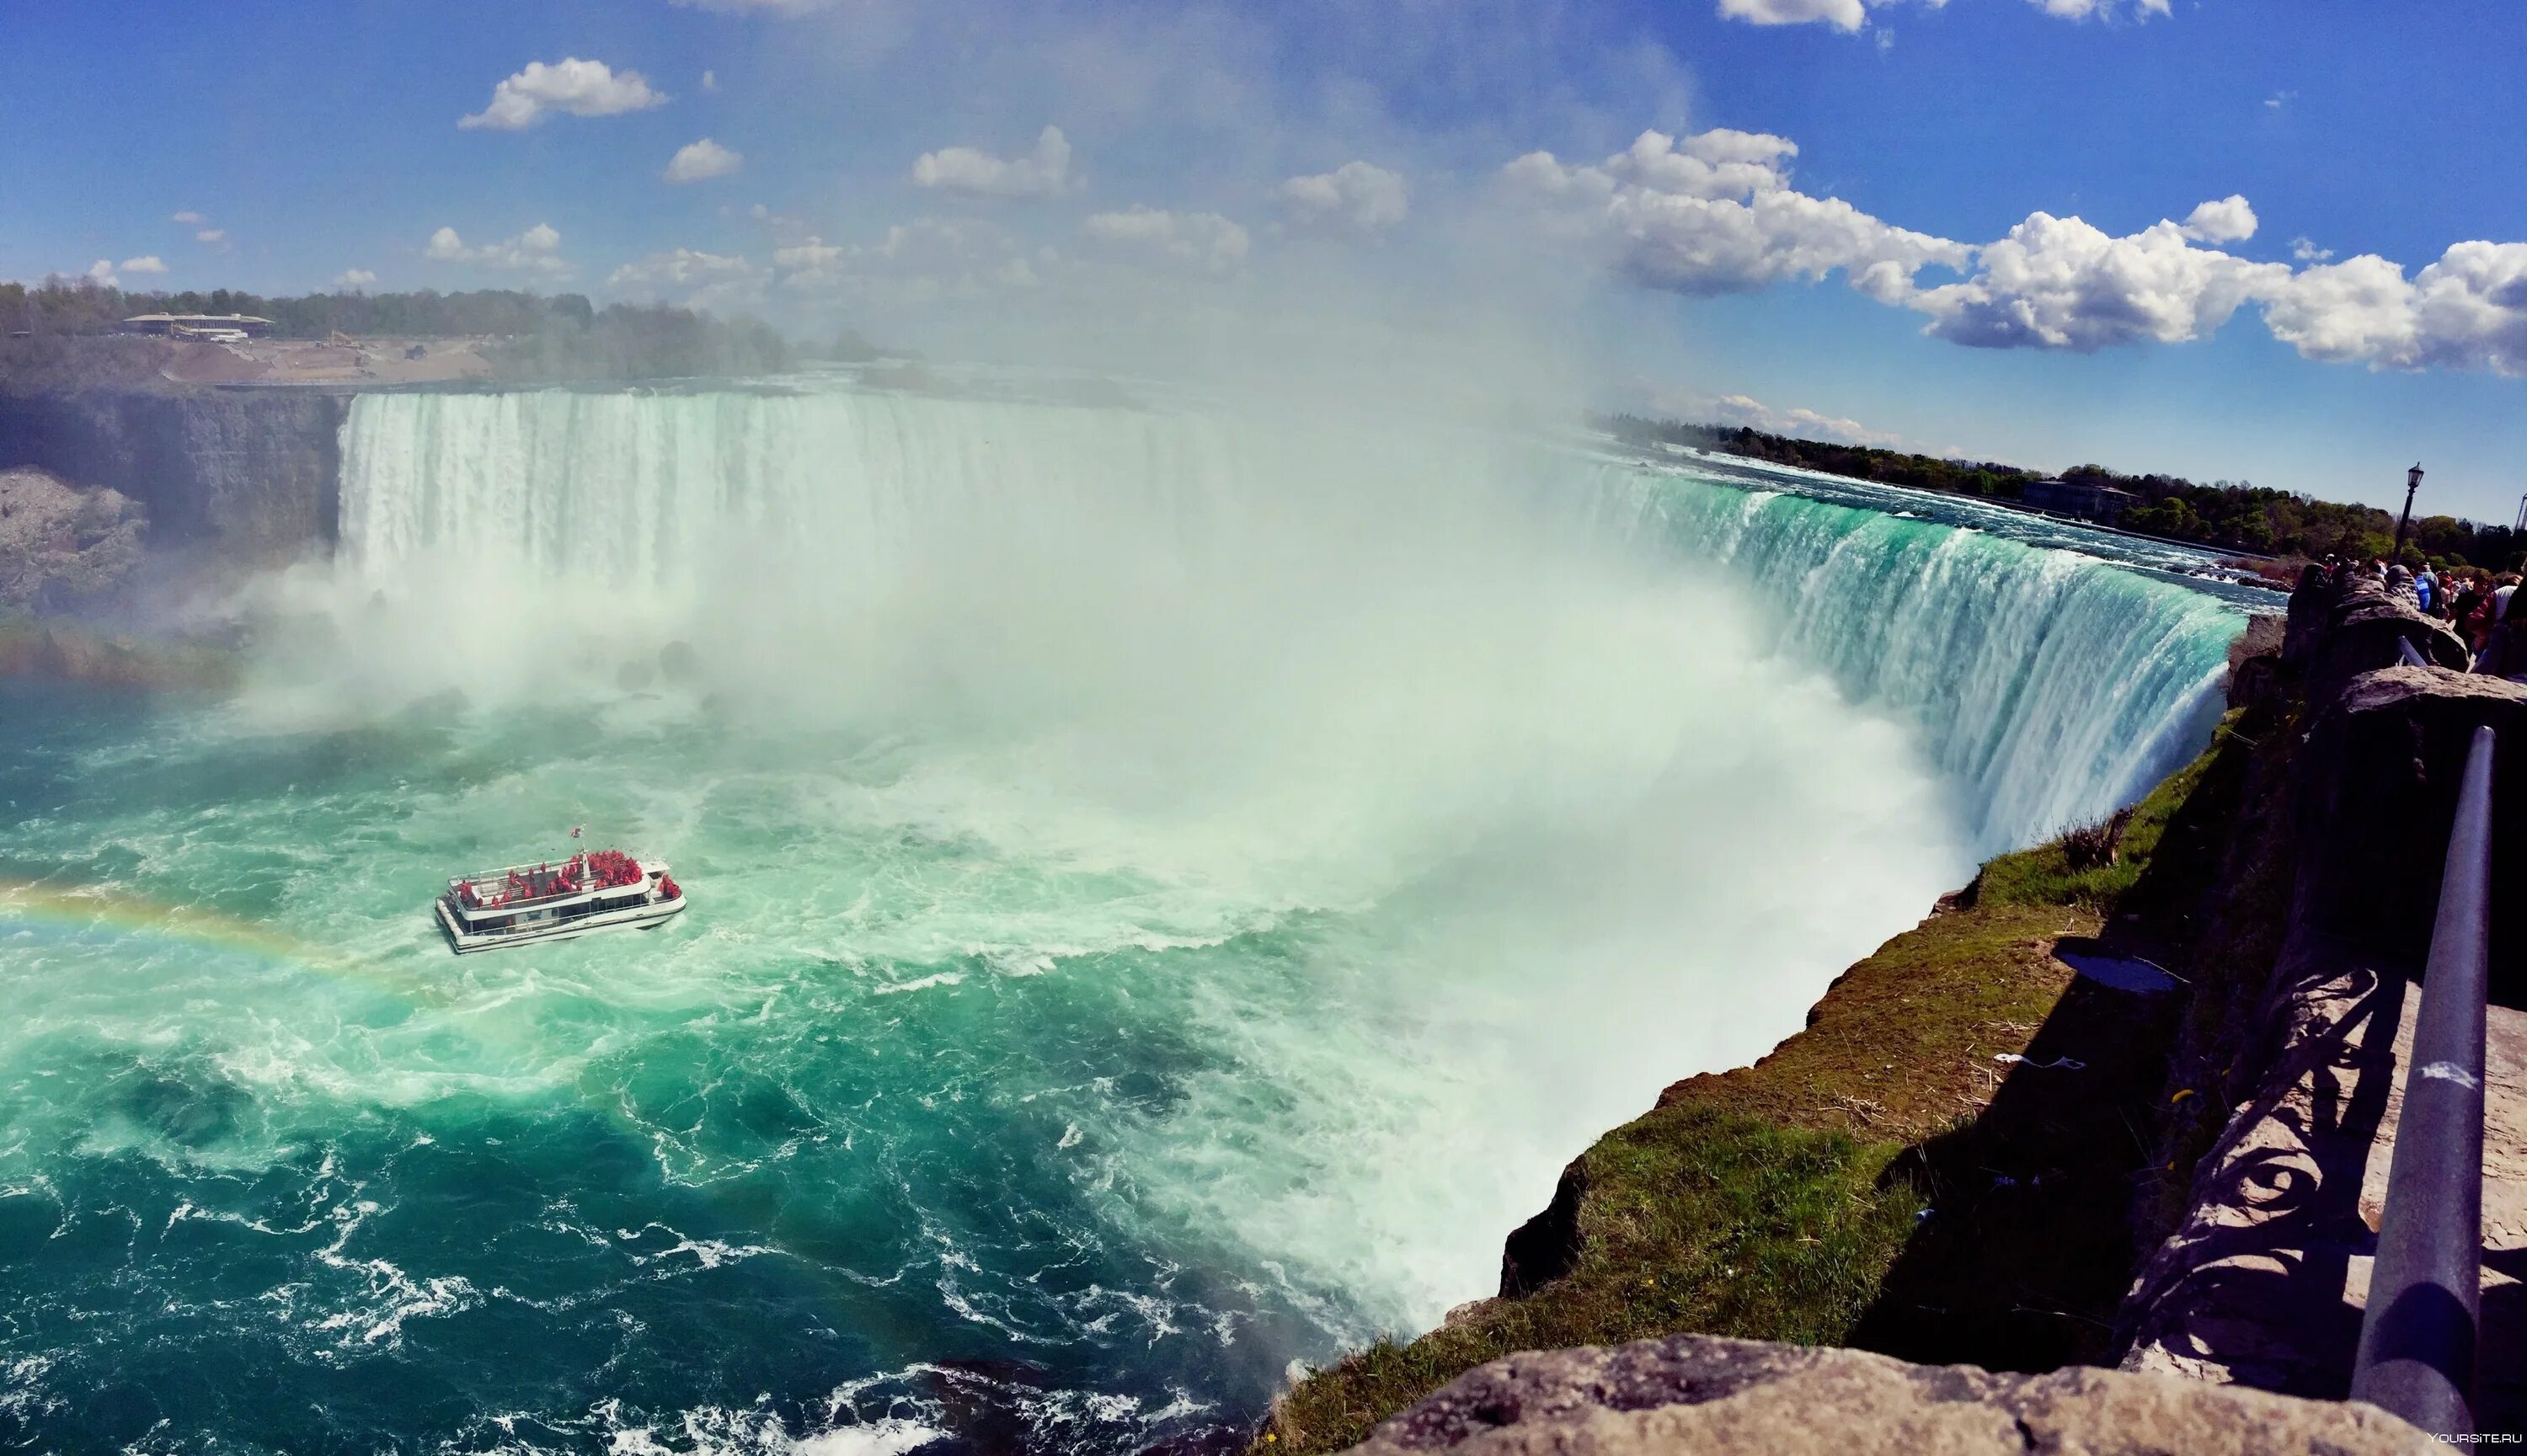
point(2224, 514)
point(44, 332)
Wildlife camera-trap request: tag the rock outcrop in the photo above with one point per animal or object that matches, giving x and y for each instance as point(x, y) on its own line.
point(253, 474)
point(64, 549)
point(1701, 1393)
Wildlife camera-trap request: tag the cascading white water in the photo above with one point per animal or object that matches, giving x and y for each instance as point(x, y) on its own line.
point(1170, 889)
point(2051, 687)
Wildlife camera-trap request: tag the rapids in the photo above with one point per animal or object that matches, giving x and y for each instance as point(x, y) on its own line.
point(1170, 890)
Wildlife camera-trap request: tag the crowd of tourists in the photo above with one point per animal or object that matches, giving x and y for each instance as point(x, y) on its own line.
point(2474, 603)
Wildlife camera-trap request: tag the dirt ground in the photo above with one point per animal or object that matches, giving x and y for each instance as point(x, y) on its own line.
point(366, 361)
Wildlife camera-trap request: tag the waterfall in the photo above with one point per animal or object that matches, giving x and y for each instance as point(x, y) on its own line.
point(2053, 686)
point(2048, 687)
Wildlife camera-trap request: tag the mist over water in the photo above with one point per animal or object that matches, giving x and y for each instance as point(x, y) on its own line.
point(1170, 888)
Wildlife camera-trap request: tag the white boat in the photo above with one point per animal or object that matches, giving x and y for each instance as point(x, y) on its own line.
point(516, 904)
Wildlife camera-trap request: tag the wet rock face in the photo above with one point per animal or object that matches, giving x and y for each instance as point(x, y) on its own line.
point(252, 474)
point(62, 548)
point(1701, 1393)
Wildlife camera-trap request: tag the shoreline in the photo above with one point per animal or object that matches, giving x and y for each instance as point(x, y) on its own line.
point(1839, 1190)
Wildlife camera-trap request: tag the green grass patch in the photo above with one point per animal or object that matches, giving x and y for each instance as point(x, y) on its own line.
point(1698, 1219)
point(1778, 1201)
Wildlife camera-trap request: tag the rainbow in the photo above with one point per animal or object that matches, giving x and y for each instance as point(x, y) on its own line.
point(90, 910)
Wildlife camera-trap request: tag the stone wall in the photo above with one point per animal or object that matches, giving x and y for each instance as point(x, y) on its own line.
point(2257, 1283)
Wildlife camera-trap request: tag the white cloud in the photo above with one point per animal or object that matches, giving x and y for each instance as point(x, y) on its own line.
point(921, 262)
point(702, 160)
point(102, 270)
point(150, 264)
point(679, 266)
point(581, 88)
point(189, 218)
point(2279, 99)
point(815, 253)
point(755, 6)
point(710, 81)
point(1355, 197)
point(536, 250)
point(1852, 14)
point(1043, 173)
point(2081, 9)
point(2060, 284)
point(212, 235)
point(1194, 242)
point(2229, 220)
point(690, 277)
point(1842, 15)
point(1753, 413)
point(354, 278)
point(1716, 214)
point(2466, 311)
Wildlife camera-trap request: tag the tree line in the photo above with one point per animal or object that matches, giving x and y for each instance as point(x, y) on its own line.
point(45, 330)
point(2224, 514)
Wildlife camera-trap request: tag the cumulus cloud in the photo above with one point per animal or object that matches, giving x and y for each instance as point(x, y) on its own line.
point(2081, 9)
point(2061, 284)
point(1842, 15)
point(702, 160)
point(351, 279)
point(921, 262)
point(580, 89)
point(1190, 242)
point(1852, 14)
point(538, 250)
point(212, 235)
point(1714, 213)
point(2466, 311)
point(148, 264)
point(2229, 220)
point(680, 267)
point(689, 276)
point(1800, 423)
point(102, 271)
point(189, 218)
point(1042, 172)
point(1355, 197)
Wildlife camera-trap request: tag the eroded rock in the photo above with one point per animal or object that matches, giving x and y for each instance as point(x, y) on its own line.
point(1702, 1393)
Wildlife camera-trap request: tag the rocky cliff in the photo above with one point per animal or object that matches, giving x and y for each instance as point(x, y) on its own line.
point(253, 474)
point(1698, 1393)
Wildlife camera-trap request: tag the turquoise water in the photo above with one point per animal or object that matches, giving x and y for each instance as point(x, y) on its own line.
point(1085, 1010)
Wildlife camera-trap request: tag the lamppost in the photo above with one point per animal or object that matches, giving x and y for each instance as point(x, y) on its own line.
point(2412, 482)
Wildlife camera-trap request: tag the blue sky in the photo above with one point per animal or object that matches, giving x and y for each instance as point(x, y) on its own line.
point(1967, 226)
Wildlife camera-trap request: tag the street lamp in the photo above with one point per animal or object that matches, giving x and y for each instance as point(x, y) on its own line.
point(2412, 482)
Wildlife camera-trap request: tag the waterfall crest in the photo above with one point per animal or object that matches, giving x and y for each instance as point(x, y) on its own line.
point(2048, 687)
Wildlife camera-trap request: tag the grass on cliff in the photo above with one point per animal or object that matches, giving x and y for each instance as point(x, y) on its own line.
point(1777, 1201)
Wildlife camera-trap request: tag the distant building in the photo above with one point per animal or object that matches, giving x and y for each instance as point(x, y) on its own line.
point(222, 326)
point(2082, 498)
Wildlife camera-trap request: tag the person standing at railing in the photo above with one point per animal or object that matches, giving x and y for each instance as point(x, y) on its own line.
point(2504, 644)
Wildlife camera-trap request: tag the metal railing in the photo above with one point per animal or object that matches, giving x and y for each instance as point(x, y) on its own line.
point(2418, 1337)
point(2408, 655)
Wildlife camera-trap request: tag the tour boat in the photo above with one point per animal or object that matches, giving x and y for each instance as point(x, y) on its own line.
point(602, 891)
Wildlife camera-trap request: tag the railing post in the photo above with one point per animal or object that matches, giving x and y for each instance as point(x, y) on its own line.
point(2418, 1337)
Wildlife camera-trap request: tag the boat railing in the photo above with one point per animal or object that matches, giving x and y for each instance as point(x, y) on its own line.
point(2419, 1334)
